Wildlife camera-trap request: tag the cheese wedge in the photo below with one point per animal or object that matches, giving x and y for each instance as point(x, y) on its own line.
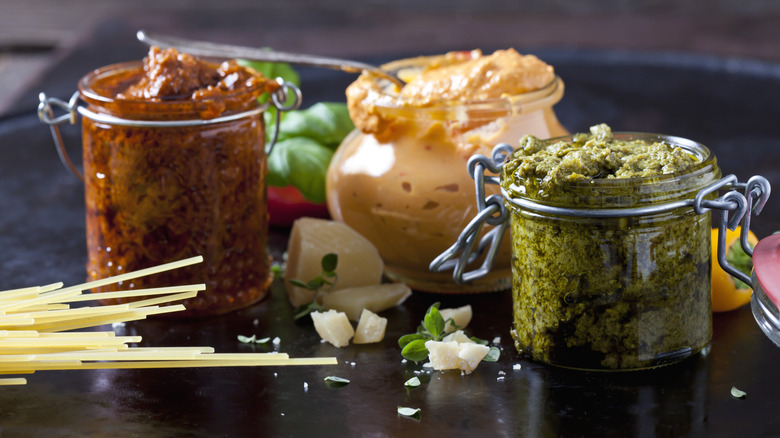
point(375, 298)
point(359, 263)
point(461, 316)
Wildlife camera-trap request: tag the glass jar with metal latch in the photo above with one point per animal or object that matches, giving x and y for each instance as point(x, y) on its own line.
point(173, 175)
point(608, 273)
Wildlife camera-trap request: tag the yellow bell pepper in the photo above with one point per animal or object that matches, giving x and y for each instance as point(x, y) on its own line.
point(729, 293)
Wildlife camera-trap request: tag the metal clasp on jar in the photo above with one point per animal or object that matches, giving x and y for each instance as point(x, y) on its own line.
point(71, 108)
point(741, 200)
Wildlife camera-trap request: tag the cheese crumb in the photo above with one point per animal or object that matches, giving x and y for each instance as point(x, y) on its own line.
point(516, 366)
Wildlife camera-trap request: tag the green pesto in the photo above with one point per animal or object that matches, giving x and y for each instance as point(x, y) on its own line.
point(546, 167)
point(608, 293)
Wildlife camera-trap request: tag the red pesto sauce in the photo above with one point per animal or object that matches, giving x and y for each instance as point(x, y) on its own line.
point(160, 194)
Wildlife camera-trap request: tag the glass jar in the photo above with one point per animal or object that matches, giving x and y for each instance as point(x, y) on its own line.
point(622, 292)
point(405, 185)
point(765, 277)
point(168, 178)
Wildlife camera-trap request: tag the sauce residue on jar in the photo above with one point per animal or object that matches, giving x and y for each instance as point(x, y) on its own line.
point(158, 194)
point(401, 178)
point(625, 292)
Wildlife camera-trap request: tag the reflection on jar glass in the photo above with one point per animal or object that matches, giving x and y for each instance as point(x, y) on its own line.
point(401, 180)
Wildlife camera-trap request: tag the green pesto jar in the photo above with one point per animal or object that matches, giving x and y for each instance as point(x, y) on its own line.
point(606, 274)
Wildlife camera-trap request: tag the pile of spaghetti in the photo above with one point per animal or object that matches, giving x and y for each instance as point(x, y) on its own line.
point(37, 323)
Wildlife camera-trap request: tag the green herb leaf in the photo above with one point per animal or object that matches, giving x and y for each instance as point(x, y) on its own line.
point(252, 339)
point(326, 122)
point(434, 323)
point(736, 393)
point(405, 339)
point(492, 356)
point(299, 283)
point(479, 341)
point(329, 262)
point(278, 270)
point(415, 351)
point(409, 412)
point(737, 257)
point(273, 70)
point(245, 339)
point(336, 382)
point(414, 382)
point(301, 162)
point(306, 309)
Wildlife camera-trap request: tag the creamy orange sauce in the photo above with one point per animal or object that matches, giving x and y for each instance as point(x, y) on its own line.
point(401, 178)
point(500, 74)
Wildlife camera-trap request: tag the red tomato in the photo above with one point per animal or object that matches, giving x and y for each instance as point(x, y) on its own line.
point(285, 204)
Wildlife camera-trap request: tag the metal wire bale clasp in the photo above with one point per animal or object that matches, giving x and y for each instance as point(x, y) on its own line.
point(279, 98)
point(492, 211)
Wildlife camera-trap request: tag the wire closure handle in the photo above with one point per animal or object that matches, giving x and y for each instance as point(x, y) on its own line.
point(492, 211)
point(46, 107)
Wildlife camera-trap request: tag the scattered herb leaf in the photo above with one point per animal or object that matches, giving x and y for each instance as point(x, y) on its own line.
point(409, 412)
point(277, 269)
point(415, 350)
point(432, 328)
point(736, 393)
point(414, 382)
point(492, 356)
point(479, 341)
point(326, 280)
point(336, 382)
point(252, 339)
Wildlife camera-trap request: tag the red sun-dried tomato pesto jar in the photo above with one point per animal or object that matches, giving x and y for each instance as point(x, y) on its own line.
point(174, 166)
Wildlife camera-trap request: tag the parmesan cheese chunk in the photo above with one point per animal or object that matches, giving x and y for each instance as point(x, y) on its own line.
point(370, 328)
point(458, 336)
point(359, 262)
point(333, 327)
point(452, 355)
point(461, 316)
point(375, 298)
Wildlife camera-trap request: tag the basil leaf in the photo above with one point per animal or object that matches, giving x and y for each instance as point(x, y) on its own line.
point(406, 339)
point(273, 70)
point(326, 122)
point(303, 163)
point(492, 355)
point(415, 350)
point(434, 323)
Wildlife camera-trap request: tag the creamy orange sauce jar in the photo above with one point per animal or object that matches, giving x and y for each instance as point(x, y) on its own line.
point(401, 180)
